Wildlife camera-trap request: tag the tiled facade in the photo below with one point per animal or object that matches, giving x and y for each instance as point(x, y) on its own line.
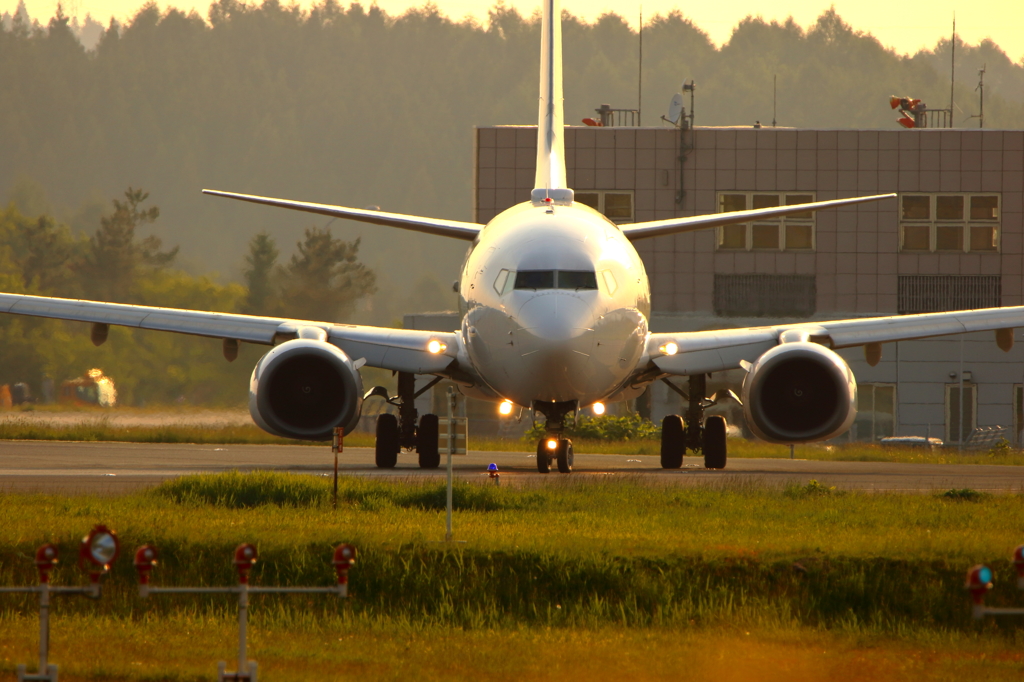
point(857, 257)
point(856, 261)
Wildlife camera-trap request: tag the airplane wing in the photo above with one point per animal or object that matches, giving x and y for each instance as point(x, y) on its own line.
point(444, 228)
point(658, 228)
point(713, 351)
point(403, 350)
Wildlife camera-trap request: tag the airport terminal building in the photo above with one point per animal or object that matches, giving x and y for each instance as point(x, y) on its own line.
point(952, 239)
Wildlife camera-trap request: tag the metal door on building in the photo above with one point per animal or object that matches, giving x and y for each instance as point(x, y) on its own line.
point(954, 432)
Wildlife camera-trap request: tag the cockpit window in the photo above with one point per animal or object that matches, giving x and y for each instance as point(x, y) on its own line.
point(499, 284)
point(556, 279)
point(535, 279)
point(577, 279)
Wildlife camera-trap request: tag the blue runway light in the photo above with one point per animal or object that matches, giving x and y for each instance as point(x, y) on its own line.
point(492, 467)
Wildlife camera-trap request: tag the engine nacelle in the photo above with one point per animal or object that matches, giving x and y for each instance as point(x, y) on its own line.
point(799, 393)
point(303, 389)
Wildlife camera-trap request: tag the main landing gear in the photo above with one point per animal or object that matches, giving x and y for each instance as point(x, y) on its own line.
point(698, 433)
point(395, 433)
point(553, 448)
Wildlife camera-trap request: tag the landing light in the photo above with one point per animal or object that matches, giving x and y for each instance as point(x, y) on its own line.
point(552, 444)
point(505, 407)
point(669, 348)
point(98, 549)
point(598, 408)
point(436, 347)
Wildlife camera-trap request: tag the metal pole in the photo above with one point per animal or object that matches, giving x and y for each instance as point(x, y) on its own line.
point(451, 451)
point(337, 446)
point(791, 451)
point(44, 628)
point(960, 437)
point(243, 616)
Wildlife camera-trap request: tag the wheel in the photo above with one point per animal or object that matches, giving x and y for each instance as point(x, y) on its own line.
point(564, 455)
point(673, 442)
point(387, 443)
point(714, 443)
point(543, 456)
point(426, 442)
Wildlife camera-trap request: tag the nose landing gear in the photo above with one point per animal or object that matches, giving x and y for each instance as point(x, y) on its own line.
point(562, 453)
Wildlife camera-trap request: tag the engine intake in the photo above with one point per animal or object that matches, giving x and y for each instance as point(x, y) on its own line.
point(799, 393)
point(303, 389)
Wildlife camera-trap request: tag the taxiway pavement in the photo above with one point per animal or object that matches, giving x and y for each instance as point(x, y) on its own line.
point(115, 468)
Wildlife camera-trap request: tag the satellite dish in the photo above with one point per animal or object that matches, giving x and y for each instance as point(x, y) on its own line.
point(675, 108)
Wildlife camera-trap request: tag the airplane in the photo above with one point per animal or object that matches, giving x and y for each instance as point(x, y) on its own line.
point(555, 304)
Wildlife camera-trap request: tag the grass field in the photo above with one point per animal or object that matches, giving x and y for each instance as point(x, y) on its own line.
point(579, 579)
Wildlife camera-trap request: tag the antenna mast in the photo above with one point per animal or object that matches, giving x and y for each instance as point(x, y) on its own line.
point(952, 70)
point(640, 68)
point(775, 83)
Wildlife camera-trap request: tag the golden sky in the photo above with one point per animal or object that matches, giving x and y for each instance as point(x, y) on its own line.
point(906, 26)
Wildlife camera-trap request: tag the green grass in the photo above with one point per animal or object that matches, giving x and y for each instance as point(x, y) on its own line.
point(598, 574)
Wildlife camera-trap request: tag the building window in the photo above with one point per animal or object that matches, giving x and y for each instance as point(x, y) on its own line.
point(949, 222)
point(765, 295)
point(954, 433)
point(792, 233)
point(616, 206)
point(876, 412)
point(940, 293)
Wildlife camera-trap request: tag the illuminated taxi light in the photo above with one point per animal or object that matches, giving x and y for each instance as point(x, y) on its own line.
point(669, 348)
point(436, 347)
point(598, 408)
point(505, 407)
point(552, 444)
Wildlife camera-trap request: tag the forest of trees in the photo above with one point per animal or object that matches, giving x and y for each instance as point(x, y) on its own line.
point(323, 281)
point(351, 106)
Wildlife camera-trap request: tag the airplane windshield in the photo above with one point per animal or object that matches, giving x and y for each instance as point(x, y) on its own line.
point(556, 279)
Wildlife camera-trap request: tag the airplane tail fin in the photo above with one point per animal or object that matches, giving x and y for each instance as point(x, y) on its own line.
point(550, 184)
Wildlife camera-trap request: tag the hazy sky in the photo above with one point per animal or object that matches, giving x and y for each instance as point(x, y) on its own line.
point(906, 26)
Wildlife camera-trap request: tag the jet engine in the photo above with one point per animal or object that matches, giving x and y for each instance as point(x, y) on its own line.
point(303, 389)
point(799, 392)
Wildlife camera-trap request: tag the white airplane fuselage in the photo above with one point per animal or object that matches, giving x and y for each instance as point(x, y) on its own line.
point(573, 337)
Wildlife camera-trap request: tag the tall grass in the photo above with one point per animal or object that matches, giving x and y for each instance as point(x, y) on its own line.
point(573, 554)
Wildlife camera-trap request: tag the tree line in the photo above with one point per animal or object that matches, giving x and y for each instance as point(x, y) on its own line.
point(323, 280)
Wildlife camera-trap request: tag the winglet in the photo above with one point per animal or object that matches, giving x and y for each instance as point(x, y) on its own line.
point(550, 185)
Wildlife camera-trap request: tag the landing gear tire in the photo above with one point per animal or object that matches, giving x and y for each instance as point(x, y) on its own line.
point(714, 443)
point(564, 455)
point(543, 457)
point(388, 441)
point(673, 442)
point(426, 442)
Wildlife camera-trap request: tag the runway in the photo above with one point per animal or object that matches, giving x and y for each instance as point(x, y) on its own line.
point(117, 468)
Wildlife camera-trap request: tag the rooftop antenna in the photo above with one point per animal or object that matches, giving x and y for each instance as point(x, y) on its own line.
point(952, 70)
point(775, 88)
point(640, 67)
point(981, 95)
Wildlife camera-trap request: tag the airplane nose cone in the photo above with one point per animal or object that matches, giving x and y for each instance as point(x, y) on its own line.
point(555, 341)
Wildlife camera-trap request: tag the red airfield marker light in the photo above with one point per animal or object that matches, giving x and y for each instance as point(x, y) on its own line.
point(98, 550)
point(245, 558)
point(46, 561)
point(145, 562)
point(344, 557)
point(979, 582)
point(1018, 563)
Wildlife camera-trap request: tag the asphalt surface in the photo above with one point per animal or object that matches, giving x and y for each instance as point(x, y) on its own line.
point(115, 468)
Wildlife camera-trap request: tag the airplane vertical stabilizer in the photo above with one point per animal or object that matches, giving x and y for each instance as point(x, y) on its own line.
point(550, 181)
